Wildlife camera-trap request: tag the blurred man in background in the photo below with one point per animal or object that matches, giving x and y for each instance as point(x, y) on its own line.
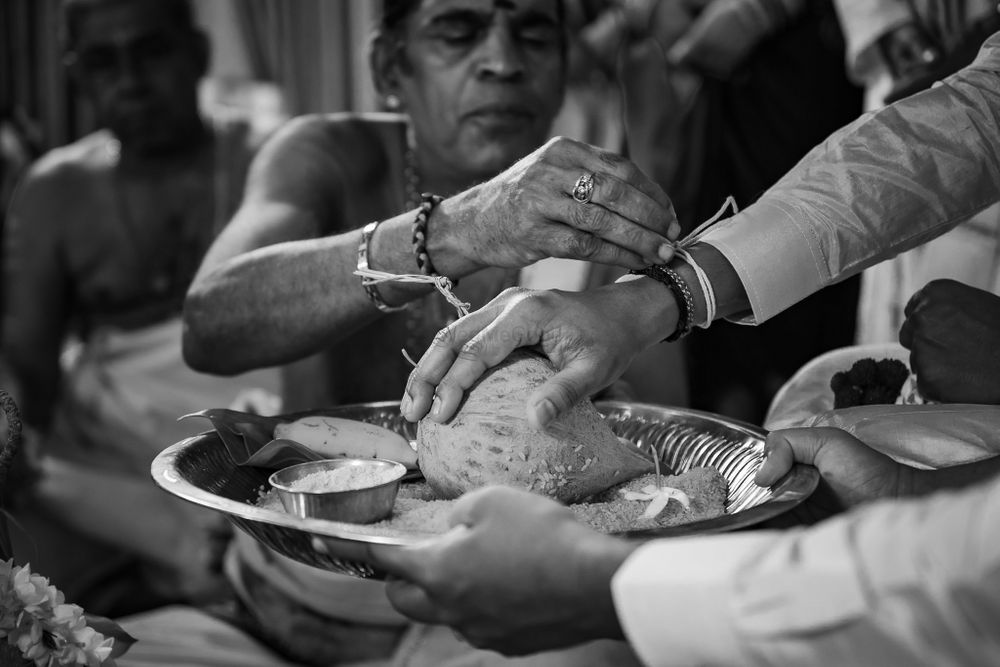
point(103, 237)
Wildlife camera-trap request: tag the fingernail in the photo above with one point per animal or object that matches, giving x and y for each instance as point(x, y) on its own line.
point(436, 406)
point(404, 407)
point(666, 252)
point(546, 411)
point(674, 230)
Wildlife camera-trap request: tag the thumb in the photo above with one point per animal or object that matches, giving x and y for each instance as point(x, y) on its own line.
point(785, 448)
point(395, 559)
point(560, 393)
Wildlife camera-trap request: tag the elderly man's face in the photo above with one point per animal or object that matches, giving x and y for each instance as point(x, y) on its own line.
point(141, 71)
point(483, 79)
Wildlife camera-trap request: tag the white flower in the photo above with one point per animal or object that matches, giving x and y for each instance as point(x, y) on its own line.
point(35, 618)
point(658, 498)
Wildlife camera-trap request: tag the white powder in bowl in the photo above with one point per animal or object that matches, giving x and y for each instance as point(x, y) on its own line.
point(348, 478)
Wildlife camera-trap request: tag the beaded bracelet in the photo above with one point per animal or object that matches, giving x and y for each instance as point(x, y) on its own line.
point(682, 295)
point(370, 289)
point(427, 204)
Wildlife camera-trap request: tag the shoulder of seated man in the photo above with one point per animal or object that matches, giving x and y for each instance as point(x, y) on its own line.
point(63, 168)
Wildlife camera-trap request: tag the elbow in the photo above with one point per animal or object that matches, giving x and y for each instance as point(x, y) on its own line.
point(202, 341)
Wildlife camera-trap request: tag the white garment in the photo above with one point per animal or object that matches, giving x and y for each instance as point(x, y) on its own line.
point(888, 182)
point(124, 391)
point(902, 583)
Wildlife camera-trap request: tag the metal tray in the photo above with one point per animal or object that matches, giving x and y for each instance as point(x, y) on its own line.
point(200, 470)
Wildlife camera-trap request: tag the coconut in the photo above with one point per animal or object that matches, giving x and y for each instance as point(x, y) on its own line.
point(489, 441)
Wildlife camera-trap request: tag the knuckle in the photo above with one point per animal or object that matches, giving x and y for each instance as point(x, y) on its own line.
point(599, 219)
point(590, 218)
point(472, 350)
point(444, 338)
point(639, 240)
point(611, 159)
point(614, 190)
point(584, 246)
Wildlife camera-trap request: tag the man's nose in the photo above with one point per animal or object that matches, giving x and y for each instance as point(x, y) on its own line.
point(501, 56)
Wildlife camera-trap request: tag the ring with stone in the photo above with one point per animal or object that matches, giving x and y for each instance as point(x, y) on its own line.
point(584, 188)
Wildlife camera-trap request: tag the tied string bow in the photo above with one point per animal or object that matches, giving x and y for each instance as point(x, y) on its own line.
point(681, 249)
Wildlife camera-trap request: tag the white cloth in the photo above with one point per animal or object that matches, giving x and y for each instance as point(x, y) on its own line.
point(888, 182)
point(924, 436)
point(970, 254)
point(124, 391)
point(905, 583)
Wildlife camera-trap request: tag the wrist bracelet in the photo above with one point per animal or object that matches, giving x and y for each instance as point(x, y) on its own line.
point(682, 296)
point(427, 204)
point(370, 288)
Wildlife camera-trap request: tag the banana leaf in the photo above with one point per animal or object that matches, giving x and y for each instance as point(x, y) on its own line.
point(244, 434)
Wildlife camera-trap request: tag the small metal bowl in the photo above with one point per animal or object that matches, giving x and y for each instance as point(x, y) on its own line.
point(364, 505)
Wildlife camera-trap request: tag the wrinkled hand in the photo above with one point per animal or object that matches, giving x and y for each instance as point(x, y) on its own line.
point(851, 472)
point(517, 574)
point(722, 36)
point(528, 212)
point(590, 337)
point(953, 334)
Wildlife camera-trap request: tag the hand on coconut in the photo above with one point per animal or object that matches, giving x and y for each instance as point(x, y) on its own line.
point(590, 337)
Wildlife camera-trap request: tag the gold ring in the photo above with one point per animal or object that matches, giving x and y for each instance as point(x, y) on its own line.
point(584, 188)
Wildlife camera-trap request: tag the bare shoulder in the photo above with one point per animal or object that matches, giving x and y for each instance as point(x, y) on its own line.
point(317, 161)
point(357, 140)
point(81, 159)
point(63, 176)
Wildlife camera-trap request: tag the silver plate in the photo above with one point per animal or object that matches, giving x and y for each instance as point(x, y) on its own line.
point(198, 469)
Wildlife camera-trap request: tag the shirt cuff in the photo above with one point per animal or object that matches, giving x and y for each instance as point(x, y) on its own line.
point(674, 598)
point(773, 255)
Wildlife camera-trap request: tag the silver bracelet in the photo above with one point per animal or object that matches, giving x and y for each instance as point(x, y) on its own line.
point(370, 286)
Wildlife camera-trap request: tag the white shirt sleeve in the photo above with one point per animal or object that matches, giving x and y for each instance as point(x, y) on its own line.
point(897, 583)
point(888, 182)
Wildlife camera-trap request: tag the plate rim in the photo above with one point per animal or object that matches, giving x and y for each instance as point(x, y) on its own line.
point(787, 492)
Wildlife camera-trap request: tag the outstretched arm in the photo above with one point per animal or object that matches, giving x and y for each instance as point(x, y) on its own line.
point(276, 287)
point(886, 183)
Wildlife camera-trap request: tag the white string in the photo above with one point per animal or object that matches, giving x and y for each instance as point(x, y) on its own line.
point(442, 283)
point(681, 250)
point(696, 235)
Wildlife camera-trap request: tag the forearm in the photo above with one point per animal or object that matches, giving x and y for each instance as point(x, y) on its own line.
point(831, 594)
point(888, 182)
point(281, 302)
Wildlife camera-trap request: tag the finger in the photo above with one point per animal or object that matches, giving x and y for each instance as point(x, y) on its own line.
point(790, 446)
point(406, 562)
point(570, 243)
point(413, 602)
point(906, 334)
point(623, 220)
point(580, 158)
point(473, 507)
point(435, 363)
point(778, 459)
point(561, 392)
point(620, 196)
point(517, 327)
point(915, 302)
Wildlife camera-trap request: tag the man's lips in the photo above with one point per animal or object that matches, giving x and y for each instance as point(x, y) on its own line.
point(501, 114)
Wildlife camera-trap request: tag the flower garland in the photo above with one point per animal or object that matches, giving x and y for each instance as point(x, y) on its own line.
point(35, 618)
